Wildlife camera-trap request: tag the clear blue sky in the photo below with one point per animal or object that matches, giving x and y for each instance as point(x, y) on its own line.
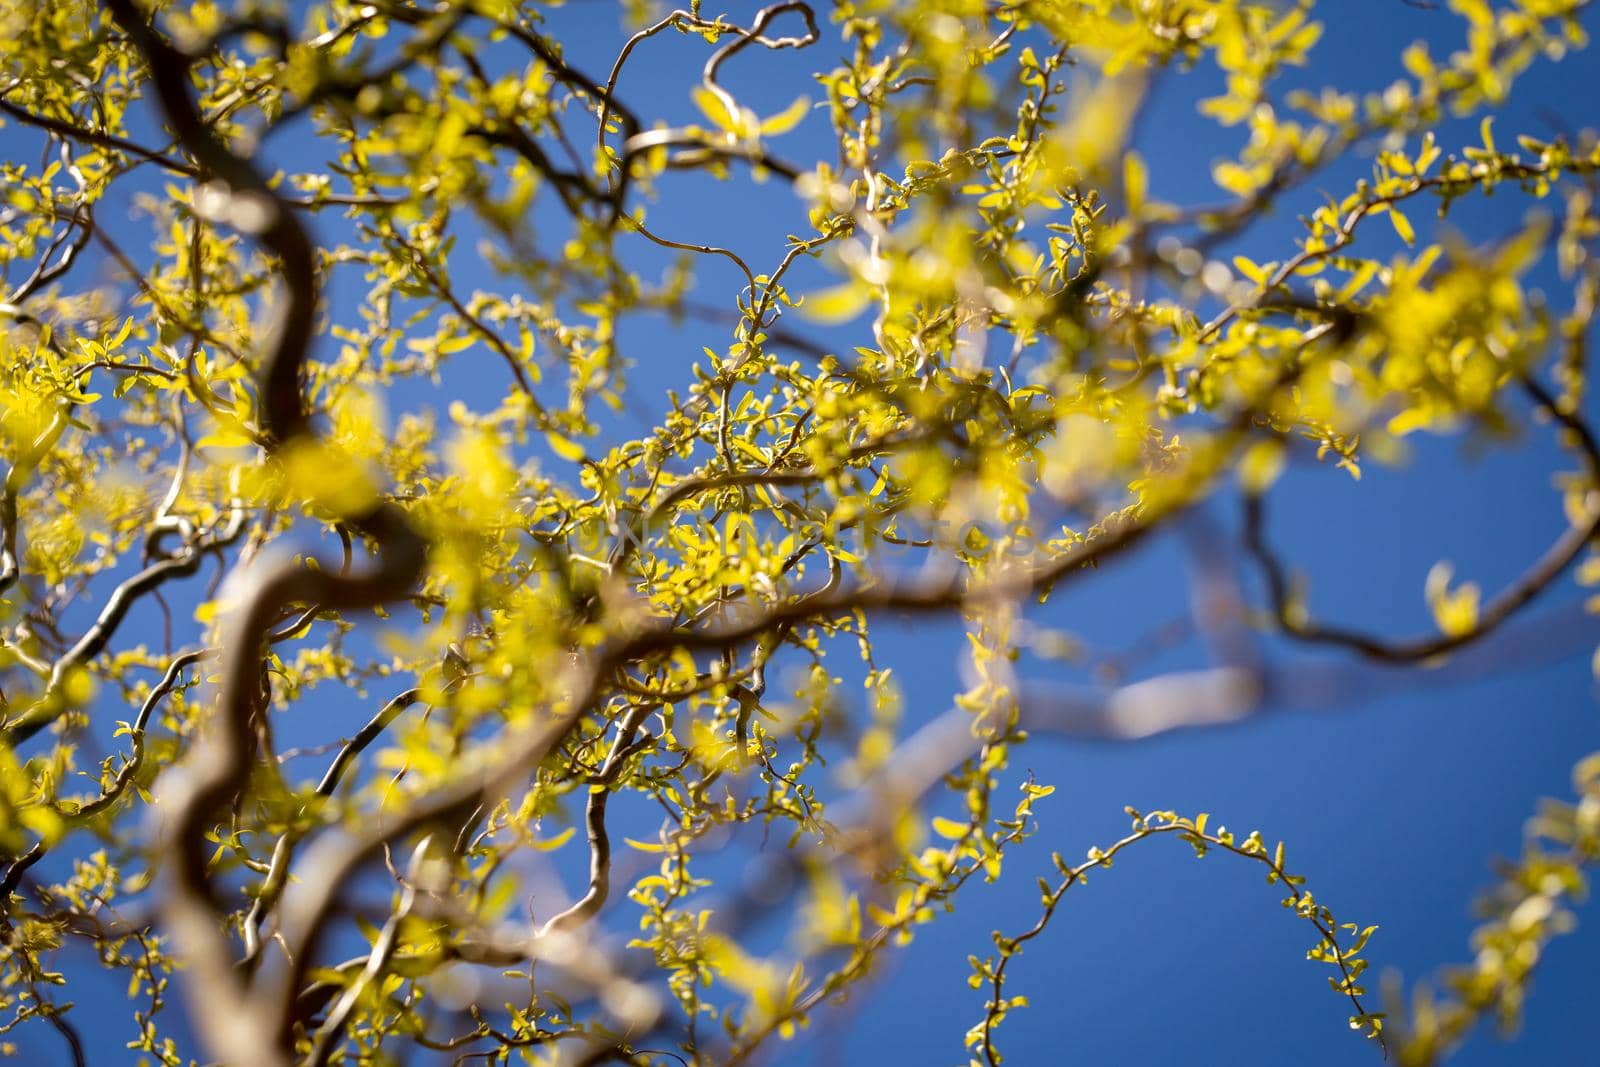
point(1391, 808)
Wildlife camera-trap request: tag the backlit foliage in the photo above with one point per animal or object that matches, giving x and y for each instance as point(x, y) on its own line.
point(330, 376)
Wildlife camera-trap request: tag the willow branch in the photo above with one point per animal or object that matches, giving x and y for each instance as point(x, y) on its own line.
point(1534, 581)
point(278, 868)
point(594, 898)
point(238, 1027)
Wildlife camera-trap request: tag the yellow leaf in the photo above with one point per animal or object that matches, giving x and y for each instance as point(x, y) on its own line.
point(1402, 226)
point(1261, 466)
point(555, 842)
point(1250, 270)
point(1135, 180)
point(565, 447)
point(715, 108)
point(645, 846)
point(1455, 611)
point(1234, 178)
point(838, 304)
point(788, 118)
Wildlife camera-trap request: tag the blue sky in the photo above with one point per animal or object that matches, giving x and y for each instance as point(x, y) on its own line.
point(1392, 808)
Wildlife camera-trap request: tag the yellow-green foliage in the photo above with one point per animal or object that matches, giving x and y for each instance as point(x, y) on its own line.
point(1043, 360)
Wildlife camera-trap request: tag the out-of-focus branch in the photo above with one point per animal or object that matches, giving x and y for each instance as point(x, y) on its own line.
point(328, 1035)
point(15, 478)
point(334, 860)
point(240, 1028)
point(1544, 571)
point(1215, 697)
point(278, 868)
point(1226, 695)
